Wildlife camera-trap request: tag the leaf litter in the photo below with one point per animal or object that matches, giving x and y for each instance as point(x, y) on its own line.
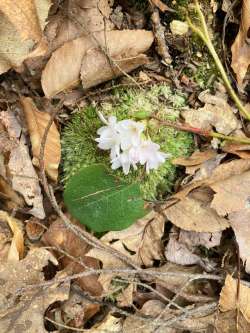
point(183, 267)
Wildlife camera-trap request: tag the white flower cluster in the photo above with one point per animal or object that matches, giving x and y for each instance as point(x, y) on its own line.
point(127, 146)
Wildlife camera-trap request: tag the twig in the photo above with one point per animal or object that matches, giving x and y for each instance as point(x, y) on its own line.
point(202, 32)
point(199, 131)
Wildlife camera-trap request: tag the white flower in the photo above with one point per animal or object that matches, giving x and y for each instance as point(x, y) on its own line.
point(125, 160)
point(130, 132)
point(150, 155)
point(109, 137)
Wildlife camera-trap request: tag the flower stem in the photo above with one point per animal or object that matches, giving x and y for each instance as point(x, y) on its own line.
point(202, 32)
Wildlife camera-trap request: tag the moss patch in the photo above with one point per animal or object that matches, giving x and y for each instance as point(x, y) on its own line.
point(80, 149)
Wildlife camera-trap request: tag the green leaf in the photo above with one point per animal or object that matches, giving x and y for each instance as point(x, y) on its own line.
point(102, 202)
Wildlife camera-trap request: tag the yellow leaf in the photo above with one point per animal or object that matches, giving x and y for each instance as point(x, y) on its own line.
point(37, 122)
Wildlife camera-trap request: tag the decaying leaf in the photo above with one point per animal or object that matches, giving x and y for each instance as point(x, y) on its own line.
point(197, 158)
point(64, 67)
point(17, 245)
point(194, 215)
point(240, 222)
point(232, 194)
point(37, 122)
point(210, 115)
point(25, 311)
point(60, 237)
point(79, 310)
point(240, 48)
point(21, 26)
point(225, 322)
point(141, 242)
point(23, 176)
point(182, 251)
point(228, 297)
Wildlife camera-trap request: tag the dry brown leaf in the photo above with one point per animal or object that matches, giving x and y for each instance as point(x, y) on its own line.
point(240, 48)
point(232, 194)
point(155, 308)
point(21, 26)
point(228, 297)
point(182, 251)
point(79, 310)
point(59, 236)
point(16, 250)
point(37, 122)
point(96, 67)
point(178, 253)
point(28, 307)
point(63, 69)
point(206, 239)
point(240, 222)
point(196, 158)
point(211, 173)
point(10, 199)
point(209, 116)
point(125, 298)
point(195, 215)
point(141, 242)
point(23, 176)
point(225, 322)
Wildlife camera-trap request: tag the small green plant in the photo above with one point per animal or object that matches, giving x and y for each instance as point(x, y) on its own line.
point(80, 148)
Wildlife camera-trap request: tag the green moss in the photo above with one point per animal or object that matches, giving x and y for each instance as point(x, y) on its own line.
point(80, 149)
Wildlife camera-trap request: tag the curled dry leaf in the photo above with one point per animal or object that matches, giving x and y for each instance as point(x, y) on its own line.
point(64, 67)
point(21, 26)
point(225, 322)
point(229, 300)
point(141, 242)
point(23, 176)
point(37, 122)
point(17, 245)
point(240, 48)
point(29, 306)
point(60, 237)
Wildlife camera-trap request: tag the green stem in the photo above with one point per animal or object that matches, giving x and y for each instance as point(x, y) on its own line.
point(204, 35)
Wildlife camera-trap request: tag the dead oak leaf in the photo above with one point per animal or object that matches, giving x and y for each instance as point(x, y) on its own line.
point(25, 312)
point(228, 297)
point(37, 122)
